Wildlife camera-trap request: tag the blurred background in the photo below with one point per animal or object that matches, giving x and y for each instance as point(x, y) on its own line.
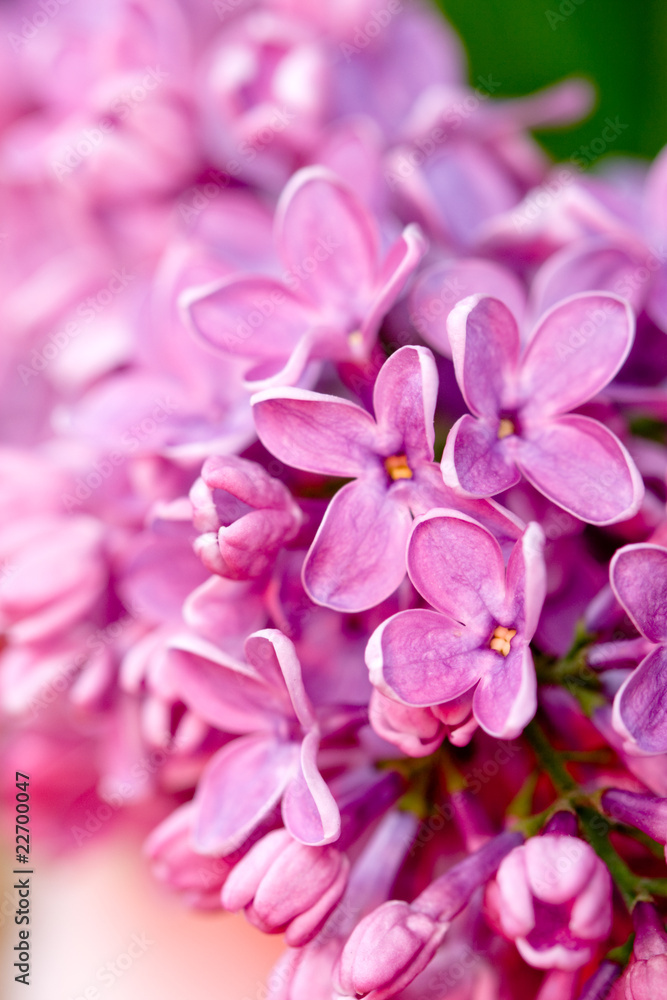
point(523, 45)
point(618, 45)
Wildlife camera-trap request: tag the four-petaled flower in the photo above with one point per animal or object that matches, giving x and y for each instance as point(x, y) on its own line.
point(334, 290)
point(479, 633)
point(638, 575)
point(521, 403)
point(358, 556)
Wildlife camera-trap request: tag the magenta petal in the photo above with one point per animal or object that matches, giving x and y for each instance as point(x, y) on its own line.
point(441, 286)
point(424, 658)
point(251, 316)
point(404, 399)
point(315, 432)
point(216, 688)
point(270, 648)
point(475, 461)
point(484, 339)
point(638, 575)
point(577, 348)
point(526, 582)
point(505, 700)
point(593, 264)
point(581, 466)
point(641, 703)
point(319, 219)
point(358, 556)
point(309, 809)
point(457, 565)
point(238, 788)
point(403, 257)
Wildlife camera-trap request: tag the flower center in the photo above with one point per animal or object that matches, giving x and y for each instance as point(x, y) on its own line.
point(505, 428)
point(501, 638)
point(355, 341)
point(397, 467)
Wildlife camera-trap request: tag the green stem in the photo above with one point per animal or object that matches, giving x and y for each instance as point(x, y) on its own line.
point(549, 761)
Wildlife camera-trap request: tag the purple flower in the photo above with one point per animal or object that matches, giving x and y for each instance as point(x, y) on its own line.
point(646, 975)
point(521, 403)
point(552, 896)
point(394, 943)
point(638, 575)
point(479, 633)
point(287, 886)
point(245, 516)
point(645, 812)
point(275, 756)
point(358, 556)
point(334, 289)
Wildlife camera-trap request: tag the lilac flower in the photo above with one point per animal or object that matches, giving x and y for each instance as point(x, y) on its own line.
point(245, 516)
point(638, 575)
point(358, 556)
point(394, 943)
point(274, 759)
point(552, 896)
point(479, 633)
point(334, 290)
point(285, 885)
point(646, 975)
point(521, 403)
point(645, 812)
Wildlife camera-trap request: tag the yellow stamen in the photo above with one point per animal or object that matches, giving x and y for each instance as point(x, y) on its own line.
point(356, 343)
point(501, 638)
point(397, 467)
point(505, 428)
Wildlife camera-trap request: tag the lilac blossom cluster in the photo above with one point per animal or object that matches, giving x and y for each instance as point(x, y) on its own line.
point(333, 487)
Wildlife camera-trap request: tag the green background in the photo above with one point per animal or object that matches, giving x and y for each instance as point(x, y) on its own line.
point(619, 45)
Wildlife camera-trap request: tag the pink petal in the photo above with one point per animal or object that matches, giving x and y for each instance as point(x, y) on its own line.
point(526, 581)
point(581, 466)
point(484, 339)
point(640, 705)
point(239, 786)
point(404, 399)
point(217, 688)
point(505, 699)
point(309, 809)
point(315, 432)
point(475, 461)
point(597, 263)
point(638, 575)
point(457, 565)
point(424, 658)
point(320, 220)
point(270, 648)
point(576, 349)
point(403, 257)
point(357, 558)
point(440, 287)
point(249, 315)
